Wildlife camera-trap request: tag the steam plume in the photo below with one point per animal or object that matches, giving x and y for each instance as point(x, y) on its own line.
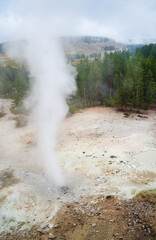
point(54, 82)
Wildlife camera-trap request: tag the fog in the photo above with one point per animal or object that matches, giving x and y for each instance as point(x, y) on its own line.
point(120, 20)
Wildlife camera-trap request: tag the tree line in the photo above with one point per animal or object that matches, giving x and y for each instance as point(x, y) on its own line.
point(14, 83)
point(119, 78)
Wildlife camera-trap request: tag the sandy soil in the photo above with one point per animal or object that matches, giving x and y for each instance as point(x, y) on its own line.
point(102, 152)
point(102, 144)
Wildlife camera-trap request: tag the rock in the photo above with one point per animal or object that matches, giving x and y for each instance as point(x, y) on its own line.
point(45, 226)
point(97, 177)
point(116, 234)
point(141, 116)
point(118, 209)
point(112, 156)
point(94, 225)
point(98, 213)
point(56, 226)
point(74, 225)
point(108, 197)
point(52, 236)
point(40, 230)
point(112, 220)
point(12, 228)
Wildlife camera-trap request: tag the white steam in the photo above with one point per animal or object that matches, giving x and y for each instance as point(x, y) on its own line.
point(54, 83)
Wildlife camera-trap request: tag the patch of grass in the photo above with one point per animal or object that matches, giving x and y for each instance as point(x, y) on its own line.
point(73, 109)
point(147, 195)
point(109, 102)
point(126, 114)
point(75, 105)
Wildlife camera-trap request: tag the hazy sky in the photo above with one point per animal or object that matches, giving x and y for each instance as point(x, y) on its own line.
point(118, 19)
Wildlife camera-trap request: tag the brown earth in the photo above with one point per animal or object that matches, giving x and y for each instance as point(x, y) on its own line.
point(99, 218)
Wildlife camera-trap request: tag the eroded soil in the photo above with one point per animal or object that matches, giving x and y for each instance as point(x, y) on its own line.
point(99, 217)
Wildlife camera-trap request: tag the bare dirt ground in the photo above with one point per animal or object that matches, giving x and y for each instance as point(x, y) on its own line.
point(106, 159)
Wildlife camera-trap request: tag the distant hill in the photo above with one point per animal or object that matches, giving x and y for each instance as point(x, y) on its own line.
point(87, 39)
point(76, 48)
point(89, 46)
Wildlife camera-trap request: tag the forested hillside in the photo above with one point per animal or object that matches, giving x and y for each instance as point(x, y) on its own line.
point(118, 78)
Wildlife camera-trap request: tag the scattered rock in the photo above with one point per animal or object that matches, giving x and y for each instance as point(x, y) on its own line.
point(112, 156)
